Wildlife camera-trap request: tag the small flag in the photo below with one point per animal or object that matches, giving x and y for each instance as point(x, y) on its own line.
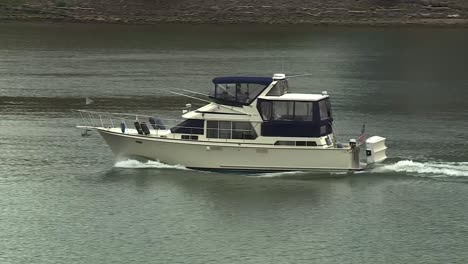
point(89, 101)
point(362, 136)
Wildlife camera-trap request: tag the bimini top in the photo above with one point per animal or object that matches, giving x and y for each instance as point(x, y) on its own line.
point(238, 91)
point(239, 79)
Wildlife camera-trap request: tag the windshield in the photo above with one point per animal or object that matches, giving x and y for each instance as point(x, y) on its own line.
point(236, 93)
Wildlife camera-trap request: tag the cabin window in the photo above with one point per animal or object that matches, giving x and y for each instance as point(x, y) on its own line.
point(286, 110)
point(285, 143)
point(303, 111)
point(189, 126)
point(212, 130)
point(225, 129)
point(329, 109)
point(296, 143)
point(283, 110)
point(325, 109)
point(230, 130)
point(295, 118)
point(189, 137)
point(265, 109)
point(323, 130)
point(280, 88)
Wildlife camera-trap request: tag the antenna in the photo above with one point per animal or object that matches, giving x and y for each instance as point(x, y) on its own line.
point(189, 91)
point(188, 96)
point(196, 98)
point(300, 75)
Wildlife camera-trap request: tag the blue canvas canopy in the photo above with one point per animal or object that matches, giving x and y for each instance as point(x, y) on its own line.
point(255, 80)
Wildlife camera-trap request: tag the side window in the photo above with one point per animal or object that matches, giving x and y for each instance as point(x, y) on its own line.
point(265, 109)
point(212, 129)
point(323, 130)
point(285, 143)
point(225, 129)
point(230, 130)
point(324, 110)
point(189, 137)
point(243, 130)
point(286, 110)
point(280, 88)
point(283, 110)
point(296, 143)
point(303, 111)
point(329, 108)
point(189, 126)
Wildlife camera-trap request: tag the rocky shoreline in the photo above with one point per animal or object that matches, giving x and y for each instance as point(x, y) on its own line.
point(359, 12)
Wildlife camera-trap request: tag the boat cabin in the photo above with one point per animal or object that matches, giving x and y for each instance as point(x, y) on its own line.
point(295, 115)
point(253, 107)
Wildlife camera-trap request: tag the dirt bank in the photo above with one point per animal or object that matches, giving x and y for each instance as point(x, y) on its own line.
point(374, 12)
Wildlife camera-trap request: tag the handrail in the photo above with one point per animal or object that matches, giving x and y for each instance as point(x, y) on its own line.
point(122, 114)
point(105, 119)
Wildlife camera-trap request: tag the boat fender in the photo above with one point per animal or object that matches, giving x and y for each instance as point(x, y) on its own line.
point(145, 128)
point(339, 145)
point(122, 127)
point(138, 127)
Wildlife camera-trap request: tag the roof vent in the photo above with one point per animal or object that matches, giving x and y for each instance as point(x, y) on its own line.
point(279, 76)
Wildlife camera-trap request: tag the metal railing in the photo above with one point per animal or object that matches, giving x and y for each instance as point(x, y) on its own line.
point(94, 120)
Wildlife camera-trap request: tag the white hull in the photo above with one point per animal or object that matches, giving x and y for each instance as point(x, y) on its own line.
point(231, 156)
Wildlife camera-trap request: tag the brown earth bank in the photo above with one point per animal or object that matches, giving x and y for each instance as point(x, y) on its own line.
point(369, 12)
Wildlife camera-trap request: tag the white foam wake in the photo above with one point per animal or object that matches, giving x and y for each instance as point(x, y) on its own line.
point(441, 169)
point(135, 164)
point(276, 174)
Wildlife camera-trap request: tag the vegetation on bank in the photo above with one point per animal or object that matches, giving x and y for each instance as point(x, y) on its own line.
point(240, 11)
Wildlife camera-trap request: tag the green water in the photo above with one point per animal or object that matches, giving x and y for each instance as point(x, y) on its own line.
point(63, 199)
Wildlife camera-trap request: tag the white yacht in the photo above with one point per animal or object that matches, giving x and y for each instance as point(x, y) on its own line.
point(250, 123)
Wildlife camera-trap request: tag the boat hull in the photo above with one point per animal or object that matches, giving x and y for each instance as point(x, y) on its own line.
point(208, 155)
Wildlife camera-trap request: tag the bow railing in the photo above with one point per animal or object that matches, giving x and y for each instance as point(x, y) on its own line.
point(94, 120)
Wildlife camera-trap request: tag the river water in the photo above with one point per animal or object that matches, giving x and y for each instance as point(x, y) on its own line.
point(63, 199)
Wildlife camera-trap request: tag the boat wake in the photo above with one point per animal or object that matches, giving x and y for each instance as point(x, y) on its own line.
point(277, 174)
point(431, 169)
point(150, 164)
point(421, 169)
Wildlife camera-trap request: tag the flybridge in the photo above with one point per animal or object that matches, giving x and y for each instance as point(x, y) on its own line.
point(238, 91)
